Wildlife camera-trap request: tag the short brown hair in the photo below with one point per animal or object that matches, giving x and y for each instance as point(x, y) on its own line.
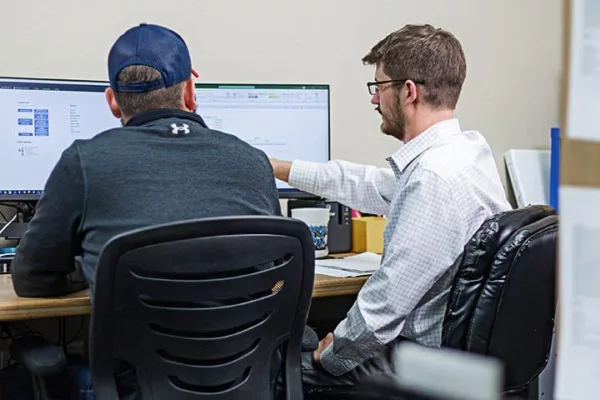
point(423, 53)
point(135, 103)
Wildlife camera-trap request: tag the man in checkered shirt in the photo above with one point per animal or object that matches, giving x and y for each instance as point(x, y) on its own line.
point(443, 183)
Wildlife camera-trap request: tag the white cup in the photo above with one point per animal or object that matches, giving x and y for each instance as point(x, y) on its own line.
point(317, 220)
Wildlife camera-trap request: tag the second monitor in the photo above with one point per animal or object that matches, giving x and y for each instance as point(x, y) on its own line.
point(285, 121)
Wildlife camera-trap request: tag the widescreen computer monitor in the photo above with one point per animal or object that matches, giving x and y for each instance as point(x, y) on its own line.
point(39, 119)
point(286, 121)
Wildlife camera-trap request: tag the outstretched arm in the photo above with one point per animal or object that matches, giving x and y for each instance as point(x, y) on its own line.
point(365, 188)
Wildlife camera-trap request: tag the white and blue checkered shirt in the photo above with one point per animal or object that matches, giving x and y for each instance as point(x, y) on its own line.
point(441, 186)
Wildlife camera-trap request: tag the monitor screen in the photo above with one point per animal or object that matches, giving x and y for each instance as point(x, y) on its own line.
point(39, 120)
point(286, 121)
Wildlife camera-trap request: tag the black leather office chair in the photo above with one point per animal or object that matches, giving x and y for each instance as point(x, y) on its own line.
point(186, 306)
point(502, 303)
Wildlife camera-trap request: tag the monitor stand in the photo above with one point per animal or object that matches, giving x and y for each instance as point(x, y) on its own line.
point(16, 229)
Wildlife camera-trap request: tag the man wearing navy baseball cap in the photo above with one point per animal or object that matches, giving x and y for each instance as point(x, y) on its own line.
point(149, 67)
point(163, 165)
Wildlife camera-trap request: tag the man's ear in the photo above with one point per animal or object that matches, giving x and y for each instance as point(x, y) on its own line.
point(411, 92)
point(112, 103)
point(189, 95)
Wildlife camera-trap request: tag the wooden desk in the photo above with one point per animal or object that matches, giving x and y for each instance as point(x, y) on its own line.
point(328, 286)
point(13, 308)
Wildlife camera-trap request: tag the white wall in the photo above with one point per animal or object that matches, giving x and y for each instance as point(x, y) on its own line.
point(513, 50)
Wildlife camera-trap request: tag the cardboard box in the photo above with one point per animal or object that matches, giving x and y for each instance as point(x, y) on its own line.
point(367, 234)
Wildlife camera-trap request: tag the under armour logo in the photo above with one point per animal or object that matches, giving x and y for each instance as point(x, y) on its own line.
point(185, 128)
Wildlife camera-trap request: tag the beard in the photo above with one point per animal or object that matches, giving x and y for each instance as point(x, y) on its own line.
point(392, 123)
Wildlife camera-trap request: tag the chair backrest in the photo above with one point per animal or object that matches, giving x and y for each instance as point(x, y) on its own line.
point(200, 307)
point(503, 301)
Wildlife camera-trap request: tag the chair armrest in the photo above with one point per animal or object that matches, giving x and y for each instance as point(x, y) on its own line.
point(39, 356)
point(310, 340)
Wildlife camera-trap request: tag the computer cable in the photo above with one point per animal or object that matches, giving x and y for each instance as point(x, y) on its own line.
point(8, 224)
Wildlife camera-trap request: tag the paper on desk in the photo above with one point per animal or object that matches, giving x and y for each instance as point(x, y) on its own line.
point(360, 264)
point(579, 300)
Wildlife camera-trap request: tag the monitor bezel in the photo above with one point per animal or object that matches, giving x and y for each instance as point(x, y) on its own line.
point(284, 193)
point(37, 196)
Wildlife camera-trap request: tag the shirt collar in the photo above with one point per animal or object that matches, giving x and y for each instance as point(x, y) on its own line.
point(415, 147)
point(153, 115)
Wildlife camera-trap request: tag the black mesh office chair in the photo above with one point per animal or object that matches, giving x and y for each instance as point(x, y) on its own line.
point(186, 306)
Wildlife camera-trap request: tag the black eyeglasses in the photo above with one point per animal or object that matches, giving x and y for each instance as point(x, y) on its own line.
point(374, 86)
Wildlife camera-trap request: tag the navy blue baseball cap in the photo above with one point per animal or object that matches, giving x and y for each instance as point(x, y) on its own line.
point(153, 46)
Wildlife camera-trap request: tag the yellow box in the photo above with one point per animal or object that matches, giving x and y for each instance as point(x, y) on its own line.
point(367, 234)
